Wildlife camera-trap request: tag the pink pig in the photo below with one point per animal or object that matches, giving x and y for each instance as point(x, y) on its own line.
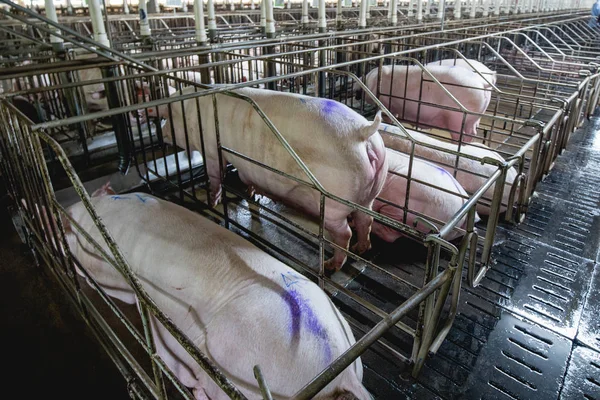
point(401, 91)
point(432, 202)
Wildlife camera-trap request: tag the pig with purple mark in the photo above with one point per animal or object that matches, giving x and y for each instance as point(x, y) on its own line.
point(434, 204)
point(340, 147)
point(237, 304)
point(472, 174)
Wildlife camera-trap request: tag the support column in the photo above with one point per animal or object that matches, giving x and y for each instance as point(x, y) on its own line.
point(97, 23)
point(69, 7)
point(201, 37)
point(144, 25)
point(304, 13)
point(394, 19)
point(486, 8)
point(212, 22)
point(419, 10)
point(125, 7)
point(457, 9)
point(362, 20)
point(473, 10)
point(57, 43)
point(441, 6)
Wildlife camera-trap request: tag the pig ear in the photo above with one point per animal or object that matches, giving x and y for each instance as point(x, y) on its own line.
point(105, 190)
point(369, 130)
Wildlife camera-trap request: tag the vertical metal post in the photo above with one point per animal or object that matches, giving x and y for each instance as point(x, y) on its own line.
point(199, 22)
point(486, 8)
point(252, 5)
point(322, 44)
point(457, 8)
point(151, 7)
point(212, 22)
point(441, 9)
point(338, 12)
point(394, 19)
point(270, 33)
point(125, 7)
point(184, 6)
point(263, 16)
point(69, 7)
point(304, 13)
point(473, 9)
point(118, 121)
point(144, 25)
point(57, 43)
point(419, 10)
point(497, 7)
point(362, 22)
point(410, 12)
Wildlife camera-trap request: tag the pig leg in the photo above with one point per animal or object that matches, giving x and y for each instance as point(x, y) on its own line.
point(362, 223)
point(214, 176)
point(340, 234)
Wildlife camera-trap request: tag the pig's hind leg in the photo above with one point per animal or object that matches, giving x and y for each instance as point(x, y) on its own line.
point(362, 224)
point(340, 235)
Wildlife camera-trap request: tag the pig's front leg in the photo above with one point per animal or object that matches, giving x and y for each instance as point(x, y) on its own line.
point(214, 175)
point(340, 234)
point(362, 224)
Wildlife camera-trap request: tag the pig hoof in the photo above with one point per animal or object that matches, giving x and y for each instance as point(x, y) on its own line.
point(332, 266)
point(360, 248)
point(251, 191)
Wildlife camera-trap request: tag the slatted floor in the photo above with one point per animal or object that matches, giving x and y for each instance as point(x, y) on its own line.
point(531, 329)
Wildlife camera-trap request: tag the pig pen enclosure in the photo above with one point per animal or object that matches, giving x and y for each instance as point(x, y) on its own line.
point(484, 300)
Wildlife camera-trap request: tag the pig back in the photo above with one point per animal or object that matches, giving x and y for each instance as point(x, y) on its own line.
point(237, 303)
point(335, 143)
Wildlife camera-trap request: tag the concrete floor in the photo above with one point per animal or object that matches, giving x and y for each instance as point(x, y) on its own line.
point(48, 351)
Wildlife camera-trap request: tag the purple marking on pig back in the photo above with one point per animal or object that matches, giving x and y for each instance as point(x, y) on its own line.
point(331, 106)
point(459, 188)
point(301, 311)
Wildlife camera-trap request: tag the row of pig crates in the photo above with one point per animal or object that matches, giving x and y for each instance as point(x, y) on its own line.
point(369, 172)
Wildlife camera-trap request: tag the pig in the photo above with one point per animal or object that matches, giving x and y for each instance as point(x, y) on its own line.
point(341, 148)
point(472, 174)
point(472, 65)
point(423, 199)
point(465, 85)
point(240, 306)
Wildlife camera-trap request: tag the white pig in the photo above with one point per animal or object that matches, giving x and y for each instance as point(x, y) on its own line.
point(465, 85)
point(238, 305)
point(423, 199)
point(472, 174)
point(472, 65)
point(341, 148)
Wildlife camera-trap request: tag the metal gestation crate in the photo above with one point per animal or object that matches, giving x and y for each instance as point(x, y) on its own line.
point(426, 297)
